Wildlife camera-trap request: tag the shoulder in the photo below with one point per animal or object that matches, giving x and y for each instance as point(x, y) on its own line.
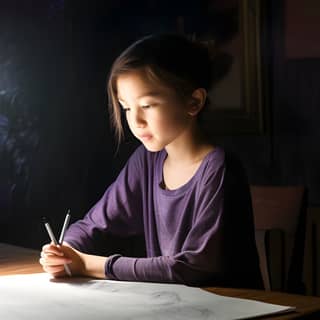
point(220, 159)
point(214, 161)
point(213, 166)
point(216, 158)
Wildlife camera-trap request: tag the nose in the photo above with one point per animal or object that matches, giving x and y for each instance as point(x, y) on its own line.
point(137, 118)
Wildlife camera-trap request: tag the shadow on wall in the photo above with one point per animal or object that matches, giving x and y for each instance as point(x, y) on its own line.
point(56, 150)
point(19, 139)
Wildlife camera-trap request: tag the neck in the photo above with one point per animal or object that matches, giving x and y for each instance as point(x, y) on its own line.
point(191, 147)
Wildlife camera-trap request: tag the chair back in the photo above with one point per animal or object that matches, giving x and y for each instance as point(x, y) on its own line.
point(280, 224)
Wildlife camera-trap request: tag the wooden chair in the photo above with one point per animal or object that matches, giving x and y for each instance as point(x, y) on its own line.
point(280, 224)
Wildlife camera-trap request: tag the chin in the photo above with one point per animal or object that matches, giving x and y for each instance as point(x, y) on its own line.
point(153, 148)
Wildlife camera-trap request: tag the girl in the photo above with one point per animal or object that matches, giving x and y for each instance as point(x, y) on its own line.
point(177, 189)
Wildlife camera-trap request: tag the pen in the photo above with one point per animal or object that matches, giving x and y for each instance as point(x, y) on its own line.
point(54, 240)
point(65, 226)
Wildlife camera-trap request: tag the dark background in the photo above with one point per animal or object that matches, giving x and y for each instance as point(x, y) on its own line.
point(56, 147)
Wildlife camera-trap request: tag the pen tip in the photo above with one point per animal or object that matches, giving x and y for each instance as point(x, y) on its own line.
point(44, 219)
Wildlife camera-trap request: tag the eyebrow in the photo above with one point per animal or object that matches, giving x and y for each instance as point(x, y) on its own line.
point(152, 94)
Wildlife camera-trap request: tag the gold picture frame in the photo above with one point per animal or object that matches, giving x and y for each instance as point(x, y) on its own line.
point(239, 106)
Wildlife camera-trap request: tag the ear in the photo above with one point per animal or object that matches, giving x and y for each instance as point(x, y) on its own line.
point(197, 101)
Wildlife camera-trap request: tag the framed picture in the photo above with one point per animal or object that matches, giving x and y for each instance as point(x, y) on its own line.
point(233, 30)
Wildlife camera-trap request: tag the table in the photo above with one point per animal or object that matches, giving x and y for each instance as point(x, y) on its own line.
point(18, 260)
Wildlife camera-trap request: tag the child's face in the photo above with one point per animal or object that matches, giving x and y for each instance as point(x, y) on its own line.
point(156, 115)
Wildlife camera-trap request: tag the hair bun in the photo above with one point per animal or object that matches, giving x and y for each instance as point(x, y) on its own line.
point(220, 61)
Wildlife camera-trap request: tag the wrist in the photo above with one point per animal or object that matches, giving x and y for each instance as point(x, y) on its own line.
point(109, 266)
point(93, 266)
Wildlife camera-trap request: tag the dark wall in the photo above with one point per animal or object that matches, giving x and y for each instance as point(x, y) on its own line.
point(56, 149)
point(56, 146)
point(288, 152)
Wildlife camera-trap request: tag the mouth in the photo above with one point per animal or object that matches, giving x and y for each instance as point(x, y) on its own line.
point(145, 137)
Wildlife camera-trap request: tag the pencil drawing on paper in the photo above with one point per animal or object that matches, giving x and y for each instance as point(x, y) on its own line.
point(37, 296)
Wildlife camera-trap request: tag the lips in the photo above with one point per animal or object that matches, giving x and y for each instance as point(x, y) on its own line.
point(145, 137)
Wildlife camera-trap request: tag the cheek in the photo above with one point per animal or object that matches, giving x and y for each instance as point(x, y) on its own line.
point(129, 122)
point(171, 124)
point(177, 119)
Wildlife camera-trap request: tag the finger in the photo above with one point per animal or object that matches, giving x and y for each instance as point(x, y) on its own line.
point(44, 255)
point(54, 270)
point(54, 261)
point(59, 274)
point(46, 263)
point(52, 249)
point(47, 255)
point(45, 247)
point(48, 245)
point(51, 269)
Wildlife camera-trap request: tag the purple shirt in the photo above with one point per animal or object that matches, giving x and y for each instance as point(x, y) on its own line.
point(190, 236)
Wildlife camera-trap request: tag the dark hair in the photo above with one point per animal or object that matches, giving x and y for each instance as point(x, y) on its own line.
point(171, 59)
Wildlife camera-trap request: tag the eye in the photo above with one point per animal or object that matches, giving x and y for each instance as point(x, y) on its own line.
point(147, 106)
point(123, 108)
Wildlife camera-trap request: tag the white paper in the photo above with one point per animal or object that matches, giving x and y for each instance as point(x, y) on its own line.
point(38, 296)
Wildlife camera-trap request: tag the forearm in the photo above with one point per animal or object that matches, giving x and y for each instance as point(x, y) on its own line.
point(157, 269)
point(94, 266)
point(87, 264)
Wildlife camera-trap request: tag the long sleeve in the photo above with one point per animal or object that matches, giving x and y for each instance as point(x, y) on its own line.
point(117, 213)
point(193, 235)
point(200, 257)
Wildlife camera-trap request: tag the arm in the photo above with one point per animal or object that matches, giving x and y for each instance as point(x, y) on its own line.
point(219, 248)
point(117, 213)
point(54, 257)
point(200, 258)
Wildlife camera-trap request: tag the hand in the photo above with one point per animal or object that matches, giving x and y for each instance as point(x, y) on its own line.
point(54, 257)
